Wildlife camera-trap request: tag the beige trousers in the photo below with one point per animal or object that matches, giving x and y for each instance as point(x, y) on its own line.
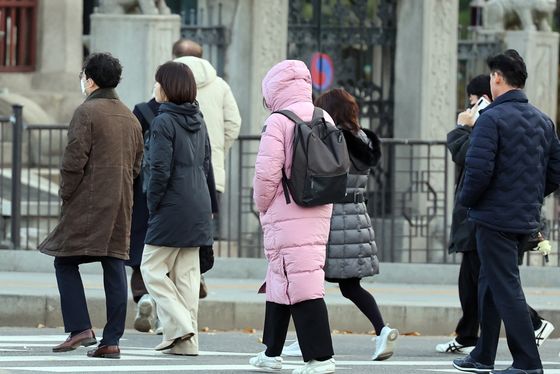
point(172, 277)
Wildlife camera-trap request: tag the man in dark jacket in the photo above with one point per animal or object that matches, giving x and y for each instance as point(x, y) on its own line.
point(513, 161)
point(463, 238)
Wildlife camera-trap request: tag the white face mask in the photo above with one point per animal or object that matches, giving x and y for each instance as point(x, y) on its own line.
point(83, 87)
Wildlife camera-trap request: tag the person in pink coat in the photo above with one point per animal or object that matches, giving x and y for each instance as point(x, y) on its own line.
point(295, 237)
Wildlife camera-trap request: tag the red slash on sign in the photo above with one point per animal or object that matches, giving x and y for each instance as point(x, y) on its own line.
point(322, 71)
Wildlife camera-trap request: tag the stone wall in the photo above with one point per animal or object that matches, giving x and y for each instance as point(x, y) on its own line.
point(259, 36)
point(425, 102)
point(141, 43)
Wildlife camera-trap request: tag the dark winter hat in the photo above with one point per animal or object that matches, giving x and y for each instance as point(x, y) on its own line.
point(479, 86)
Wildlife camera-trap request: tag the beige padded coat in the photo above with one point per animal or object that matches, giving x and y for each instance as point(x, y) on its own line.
point(220, 112)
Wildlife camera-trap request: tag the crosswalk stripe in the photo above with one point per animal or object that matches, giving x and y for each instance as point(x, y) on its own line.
point(414, 363)
point(33, 338)
point(135, 368)
point(152, 352)
point(37, 338)
point(63, 357)
point(21, 344)
point(548, 371)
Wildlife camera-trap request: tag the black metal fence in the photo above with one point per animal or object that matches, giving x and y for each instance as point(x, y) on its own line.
point(205, 26)
point(410, 196)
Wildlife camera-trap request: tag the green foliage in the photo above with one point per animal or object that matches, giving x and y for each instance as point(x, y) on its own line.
point(464, 13)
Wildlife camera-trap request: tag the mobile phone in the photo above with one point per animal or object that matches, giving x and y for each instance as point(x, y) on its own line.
point(481, 103)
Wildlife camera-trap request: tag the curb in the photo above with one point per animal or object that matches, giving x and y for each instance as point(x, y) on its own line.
point(255, 268)
point(35, 311)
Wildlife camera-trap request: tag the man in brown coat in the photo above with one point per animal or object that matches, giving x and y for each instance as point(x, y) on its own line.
point(103, 156)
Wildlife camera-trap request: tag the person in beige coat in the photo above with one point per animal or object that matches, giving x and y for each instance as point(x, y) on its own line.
point(220, 112)
point(101, 159)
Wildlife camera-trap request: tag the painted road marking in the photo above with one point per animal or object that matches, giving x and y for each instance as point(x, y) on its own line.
point(136, 368)
point(33, 338)
point(165, 368)
point(548, 371)
point(66, 357)
point(37, 338)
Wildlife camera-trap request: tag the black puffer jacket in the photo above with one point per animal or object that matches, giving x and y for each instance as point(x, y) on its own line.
point(462, 237)
point(177, 161)
point(351, 250)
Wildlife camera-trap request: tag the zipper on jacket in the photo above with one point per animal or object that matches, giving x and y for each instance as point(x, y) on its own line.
point(287, 282)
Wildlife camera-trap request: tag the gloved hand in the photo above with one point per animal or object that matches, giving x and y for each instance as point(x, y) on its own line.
point(544, 247)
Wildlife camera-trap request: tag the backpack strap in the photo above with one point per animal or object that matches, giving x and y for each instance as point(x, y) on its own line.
point(292, 116)
point(285, 186)
point(317, 113)
point(146, 112)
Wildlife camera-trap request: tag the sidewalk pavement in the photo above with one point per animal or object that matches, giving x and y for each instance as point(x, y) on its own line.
point(30, 298)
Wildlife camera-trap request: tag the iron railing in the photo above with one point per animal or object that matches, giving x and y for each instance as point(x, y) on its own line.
point(410, 196)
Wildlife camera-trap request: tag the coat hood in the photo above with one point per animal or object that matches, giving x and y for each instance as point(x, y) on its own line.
point(288, 82)
point(187, 115)
point(204, 72)
point(365, 147)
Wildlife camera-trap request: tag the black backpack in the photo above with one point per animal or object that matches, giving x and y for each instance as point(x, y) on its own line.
point(320, 162)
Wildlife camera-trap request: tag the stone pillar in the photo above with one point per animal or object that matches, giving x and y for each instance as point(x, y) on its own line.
point(539, 49)
point(259, 30)
point(59, 48)
point(259, 41)
point(426, 68)
point(425, 104)
point(141, 43)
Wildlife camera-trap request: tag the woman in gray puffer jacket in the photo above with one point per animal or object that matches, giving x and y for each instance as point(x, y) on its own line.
point(351, 250)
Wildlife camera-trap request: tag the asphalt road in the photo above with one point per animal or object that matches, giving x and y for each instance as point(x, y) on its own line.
point(29, 351)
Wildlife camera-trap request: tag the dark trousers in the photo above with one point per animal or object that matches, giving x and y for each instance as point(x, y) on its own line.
point(137, 285)
point(467, 328)
point(216, 220)
point(353, 291)
point(312, 328)
point(500, 297)
point(73, 300)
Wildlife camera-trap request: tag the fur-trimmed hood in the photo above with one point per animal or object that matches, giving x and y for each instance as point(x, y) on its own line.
point(368, 154)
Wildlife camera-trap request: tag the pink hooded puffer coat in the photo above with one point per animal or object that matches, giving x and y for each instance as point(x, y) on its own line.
point(295, 238)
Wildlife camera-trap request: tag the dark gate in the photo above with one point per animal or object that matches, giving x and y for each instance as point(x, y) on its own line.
point(206, 28)
point(350, 44)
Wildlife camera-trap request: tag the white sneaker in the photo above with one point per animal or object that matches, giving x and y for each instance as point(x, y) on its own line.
point(316, 367)
point(385, 344)
point(145, 314)
point(543, 332)
point(264, 362)
point(292, 350)
point(453, 347)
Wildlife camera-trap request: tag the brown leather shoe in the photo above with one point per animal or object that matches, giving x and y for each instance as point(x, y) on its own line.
point(85, 338)
point(105, 351)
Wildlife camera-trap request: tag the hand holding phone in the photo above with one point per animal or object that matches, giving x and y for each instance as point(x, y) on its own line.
point(480, 104)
